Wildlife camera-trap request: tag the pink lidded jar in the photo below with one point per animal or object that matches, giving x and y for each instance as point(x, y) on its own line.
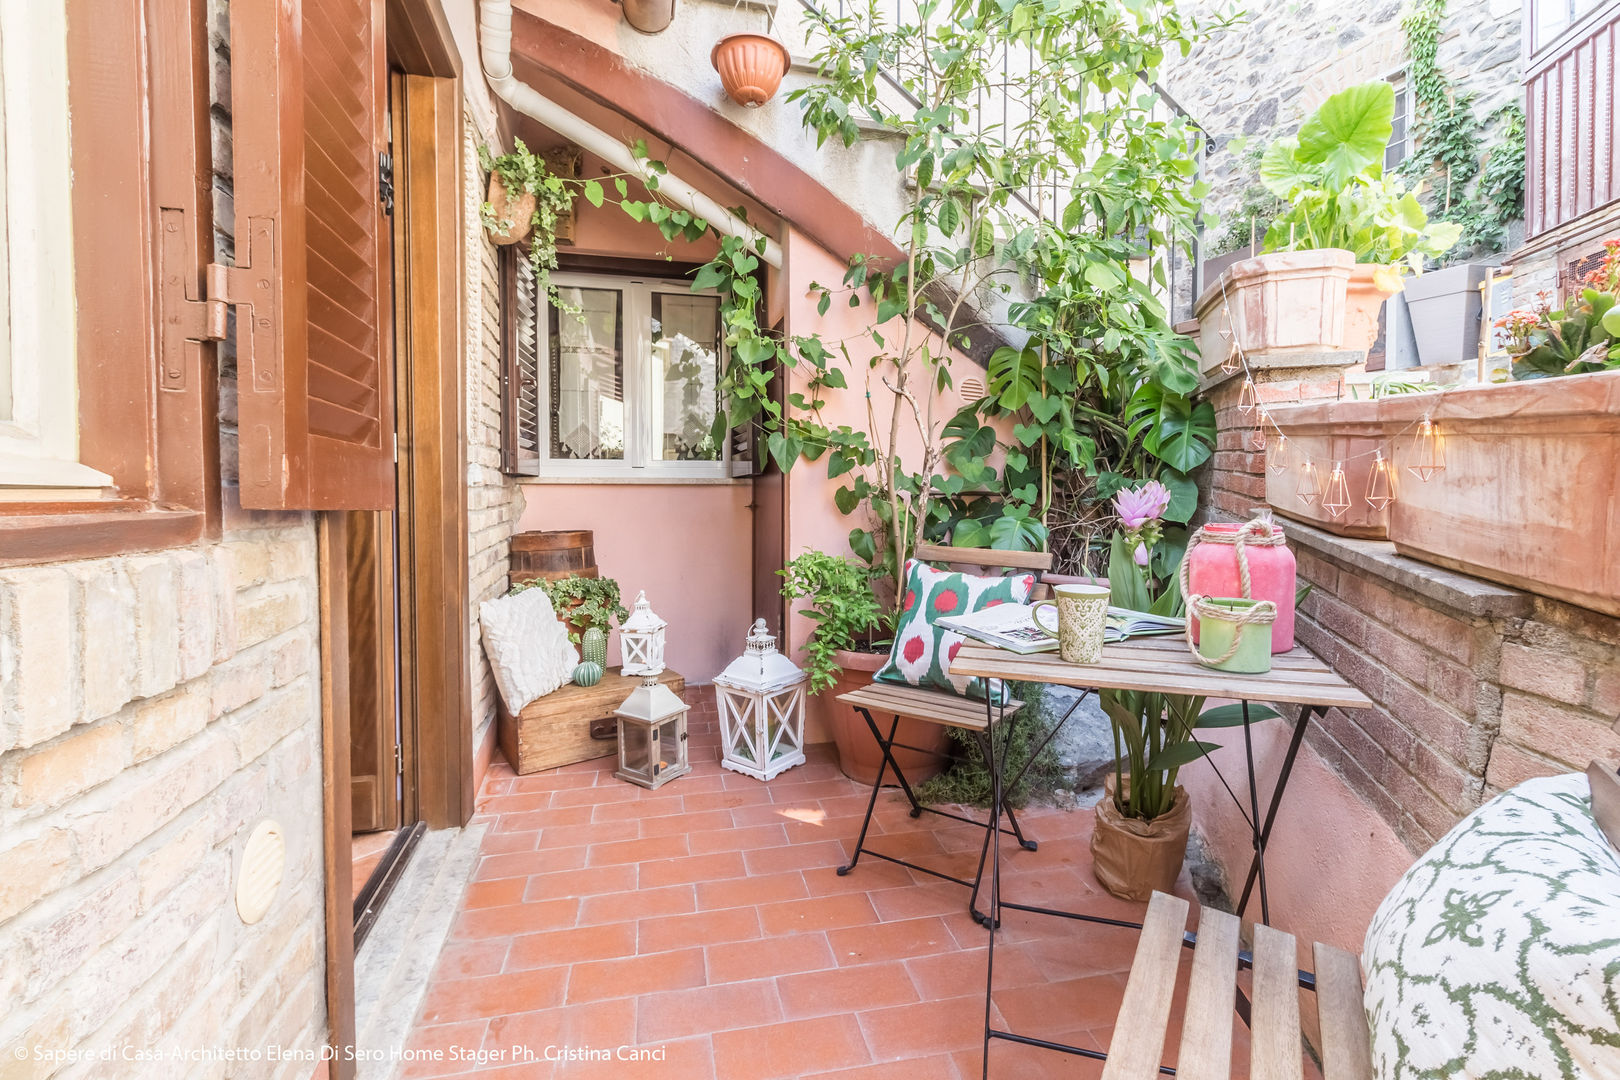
point(1212, 570)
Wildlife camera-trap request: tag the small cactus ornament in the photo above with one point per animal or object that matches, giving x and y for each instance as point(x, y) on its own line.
point(587, 673)
point(593, 647)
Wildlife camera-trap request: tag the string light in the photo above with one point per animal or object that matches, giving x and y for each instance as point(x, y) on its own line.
point(1257, 434)
point(1380, 492)
point(1336, 500)
point(1280, 457)
point(1310, 486)
point(1428, 450)
point(1247, 400)
point(1234, 360)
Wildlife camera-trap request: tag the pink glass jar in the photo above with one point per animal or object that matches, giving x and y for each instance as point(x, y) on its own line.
point(1213, 571)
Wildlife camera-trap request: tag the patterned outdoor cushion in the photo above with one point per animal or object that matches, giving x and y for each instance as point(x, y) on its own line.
point(1497, 955)
point(923, 652)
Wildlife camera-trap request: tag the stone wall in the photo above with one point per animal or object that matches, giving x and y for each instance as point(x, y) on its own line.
point(494, 500)
point(1259, 79)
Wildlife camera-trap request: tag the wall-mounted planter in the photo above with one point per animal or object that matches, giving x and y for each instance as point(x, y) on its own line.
point(1290, 308)
point(751, 67)
point(519, 211)
point(1444, 306)
point(648, 16)
point(1342, 431)
point(1530, 495)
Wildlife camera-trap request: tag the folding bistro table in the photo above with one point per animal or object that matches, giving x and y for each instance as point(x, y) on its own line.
point(1155, 665)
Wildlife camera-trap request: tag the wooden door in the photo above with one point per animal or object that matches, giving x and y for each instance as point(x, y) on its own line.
point(375, 762)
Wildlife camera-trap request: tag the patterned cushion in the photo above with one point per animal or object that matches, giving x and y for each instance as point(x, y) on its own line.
point(1497, 955)
point(922, 651)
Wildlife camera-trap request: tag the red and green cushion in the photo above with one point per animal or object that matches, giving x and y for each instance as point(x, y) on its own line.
point(923, 650)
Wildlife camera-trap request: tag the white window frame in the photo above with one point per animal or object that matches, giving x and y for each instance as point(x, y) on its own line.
point(39, 442)
point(1402, 83)
point(638, 464)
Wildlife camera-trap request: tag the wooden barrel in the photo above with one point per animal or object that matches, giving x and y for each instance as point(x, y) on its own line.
point(554, 554)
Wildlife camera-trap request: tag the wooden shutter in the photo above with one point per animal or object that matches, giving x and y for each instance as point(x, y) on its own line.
point(314, 342)
point(520, 365)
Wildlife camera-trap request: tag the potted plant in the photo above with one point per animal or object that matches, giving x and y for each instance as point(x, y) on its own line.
point(1444, 307)
point(1333, 255)
point(1140, 838)
point(527, 198)
point(751, 66)
point(841, 656)
point(582, 602)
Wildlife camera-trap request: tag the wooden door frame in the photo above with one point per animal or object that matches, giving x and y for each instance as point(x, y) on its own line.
point(435, 697)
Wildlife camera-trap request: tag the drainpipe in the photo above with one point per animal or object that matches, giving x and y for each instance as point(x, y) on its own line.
point(495, 46)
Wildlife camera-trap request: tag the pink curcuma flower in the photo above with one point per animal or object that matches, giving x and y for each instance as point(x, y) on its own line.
point(1140, 554)
point(1138, 506)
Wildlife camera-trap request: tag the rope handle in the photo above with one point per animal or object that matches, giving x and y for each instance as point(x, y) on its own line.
point(1264, 612)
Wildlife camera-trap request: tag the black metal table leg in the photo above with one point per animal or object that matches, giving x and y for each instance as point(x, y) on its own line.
point(1262, 834)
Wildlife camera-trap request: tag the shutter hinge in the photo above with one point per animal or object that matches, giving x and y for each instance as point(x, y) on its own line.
point(186, 318)
point(385, 181)
point(399, 760)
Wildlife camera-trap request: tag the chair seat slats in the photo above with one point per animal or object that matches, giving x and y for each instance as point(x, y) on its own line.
point(1346, 1043)
point(1145, 1011)
point(1275, 1051)
point(1206, 1031)
point(934, 706)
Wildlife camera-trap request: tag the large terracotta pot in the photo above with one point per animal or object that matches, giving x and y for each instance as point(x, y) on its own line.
point(1323, 433)
point(751, 67)
point(519, 211)
point(1132, 858)
point(1530, 493)
point(858, 753)
point(1291, 309)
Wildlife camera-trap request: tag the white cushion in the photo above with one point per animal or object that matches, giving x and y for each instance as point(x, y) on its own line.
point(1498, 953)
point(527, 646)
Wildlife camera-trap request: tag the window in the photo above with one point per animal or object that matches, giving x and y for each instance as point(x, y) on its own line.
point(39, 414)
point(630, 381)
point(1550, 18)
point(1399, 147)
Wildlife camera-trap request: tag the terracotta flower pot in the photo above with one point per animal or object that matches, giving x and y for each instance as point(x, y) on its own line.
point(751, 67)
point(1323, 433)
point(1369, 286)
point(858, 753)
point(519, 211)
point(1132, 858)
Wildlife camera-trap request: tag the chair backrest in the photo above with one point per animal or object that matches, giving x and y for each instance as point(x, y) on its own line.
point(992, 559)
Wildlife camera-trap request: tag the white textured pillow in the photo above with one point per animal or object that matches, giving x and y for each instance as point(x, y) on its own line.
point(527, 646)
point(1497, 955)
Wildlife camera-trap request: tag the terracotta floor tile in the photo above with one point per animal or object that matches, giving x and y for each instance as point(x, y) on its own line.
point(928, 1027)
point(581, 882)
point(868, 876)
point(816, 913)
point(506, 843)
point(890, 941)
point(691, 869)
point(1058, 1009)
point(703, 1011)
point(519, 918)
point(736, 892)
point(929, 1068)
point(579, 945)
point(529, 863)
point(502, 891)
point(624, 906)
point(637, 851)
point(950, 974)
point(686, 824)
point(736, 838)
point(827, 853)
point(596, 1024)
point(789, 1050)
point(684, 1059)
point(661, 804)
point(847, 989)
point(727, 799)
point(707, 927)
point(493, 995)
point(678, 969)
point(465, 959)
point(768, 956)
point(591, 834)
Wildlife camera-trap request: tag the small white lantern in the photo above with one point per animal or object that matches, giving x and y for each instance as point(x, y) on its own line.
point(652, 735)
point(761, 700)
point(641, 640)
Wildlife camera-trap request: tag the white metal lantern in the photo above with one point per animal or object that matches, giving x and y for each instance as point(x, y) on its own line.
point(641, 640)
point(652, 735)
point(761, 700)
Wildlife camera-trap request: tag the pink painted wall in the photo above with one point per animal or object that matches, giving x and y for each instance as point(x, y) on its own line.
point(1331, 858)
point(689, 545)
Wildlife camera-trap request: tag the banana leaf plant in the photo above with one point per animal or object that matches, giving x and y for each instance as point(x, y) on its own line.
point(1156, 734)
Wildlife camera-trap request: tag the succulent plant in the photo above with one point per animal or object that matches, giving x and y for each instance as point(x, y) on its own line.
point(587, 673)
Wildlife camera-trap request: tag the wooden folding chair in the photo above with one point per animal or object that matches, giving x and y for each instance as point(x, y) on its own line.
point(929, 706)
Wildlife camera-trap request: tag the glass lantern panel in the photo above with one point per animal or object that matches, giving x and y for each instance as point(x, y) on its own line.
point(671, 745)
point(635, 749)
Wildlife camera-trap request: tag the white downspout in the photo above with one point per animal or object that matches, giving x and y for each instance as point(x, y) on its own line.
point(495, 46)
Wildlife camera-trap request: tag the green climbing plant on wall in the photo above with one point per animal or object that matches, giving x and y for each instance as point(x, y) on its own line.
point(1478, 188)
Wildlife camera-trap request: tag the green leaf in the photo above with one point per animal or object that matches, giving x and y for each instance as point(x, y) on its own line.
point(950, 216)
point(1611, 322)
point(1186, 441)
point(1232, 716)
point(1281, 172)
point(593, 192)
point(1176, 755)
point(846, 499)
point(834, 378)
point(984, 238)
point(1045, 408)
point(1183, 495)
point(860, 542)
point(1349, 131)
point(1104, 276)
point(709, 276)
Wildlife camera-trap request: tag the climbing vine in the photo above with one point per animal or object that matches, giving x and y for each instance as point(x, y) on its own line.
point(1482, 192)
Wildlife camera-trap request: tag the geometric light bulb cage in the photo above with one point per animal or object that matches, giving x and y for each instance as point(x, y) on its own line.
point(1257, 434)
point(1380, 489)
point(760, 696)
point(1336, 499)
point(641, 640)
point(1280, 456)
point(1247, 400)
point(1310, 485)
point(1428, 450)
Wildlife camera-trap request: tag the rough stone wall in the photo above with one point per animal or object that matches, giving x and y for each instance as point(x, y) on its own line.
point(153, 709)
point(1262, 77)
point(494, 500)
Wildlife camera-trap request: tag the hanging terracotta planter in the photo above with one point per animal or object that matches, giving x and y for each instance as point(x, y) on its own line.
point(519, 211)
point(751, 67)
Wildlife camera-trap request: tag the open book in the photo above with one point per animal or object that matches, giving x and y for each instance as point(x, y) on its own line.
point(1012, 627)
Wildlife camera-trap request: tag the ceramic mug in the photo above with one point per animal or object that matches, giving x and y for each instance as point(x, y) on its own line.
point(1082, 613)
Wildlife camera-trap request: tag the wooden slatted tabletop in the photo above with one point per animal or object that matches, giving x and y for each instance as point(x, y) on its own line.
point(1163, 665)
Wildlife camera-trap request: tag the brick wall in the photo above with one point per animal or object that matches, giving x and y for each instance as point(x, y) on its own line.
point(494, 500)
point(1476, 686)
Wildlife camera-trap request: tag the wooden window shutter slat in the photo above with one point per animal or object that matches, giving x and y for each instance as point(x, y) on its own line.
point(315, 382)
point(520, 365)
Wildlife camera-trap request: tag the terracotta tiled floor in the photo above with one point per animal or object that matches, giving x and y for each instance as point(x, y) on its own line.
point(706, 919)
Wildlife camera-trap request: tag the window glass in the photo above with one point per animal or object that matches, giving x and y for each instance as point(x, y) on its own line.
point(1552, 17)
point(685, 370)
point(587, 375)
point(1400, 132)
